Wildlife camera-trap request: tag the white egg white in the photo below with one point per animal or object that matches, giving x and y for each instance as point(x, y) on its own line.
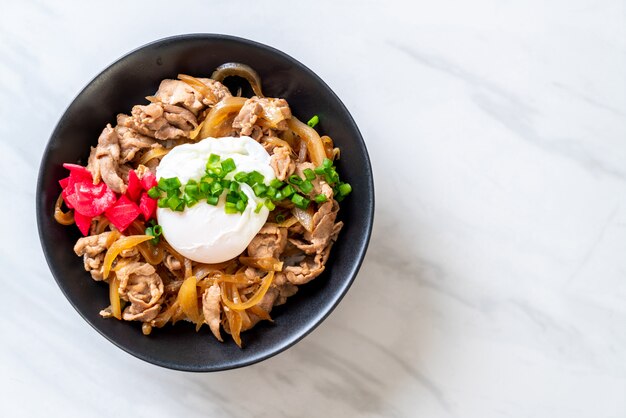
point(203, 232)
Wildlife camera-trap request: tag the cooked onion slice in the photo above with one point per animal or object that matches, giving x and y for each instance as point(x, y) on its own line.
point(217, 122)
point(188, 300)
point(64, 218)
point(114, 297)
point(255, 299)
point(153, 153)
point(311, 138)
point(198, 85)
point(305, 217)
point(120, 245)
point(240, 70)
point(263, 263)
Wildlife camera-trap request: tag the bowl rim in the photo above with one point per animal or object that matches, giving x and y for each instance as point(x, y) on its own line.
point(369, 206)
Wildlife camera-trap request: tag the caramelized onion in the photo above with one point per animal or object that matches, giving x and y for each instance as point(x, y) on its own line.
point(120, 245)
point(114, 298)
point(261, 313)
point(153, 153)
point(217, 119)
point(305, 217)
point(64, 218)
point(230, 69)
point(328, 146)
point(198, 85)
point(188, 300)
point(311, 138)
point(263, 263)
point(255, 299)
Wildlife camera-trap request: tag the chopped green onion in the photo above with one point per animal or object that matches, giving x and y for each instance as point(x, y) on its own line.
point(189, 200)
point(192, 190)
point(288, 190)
point(258, 207)
point(295, 179)
point(216, 189)
point(320, 198)
point(205, 188)
point(306, 187)
point(344, 189)
point(158, 230)
point(309, 174)
point(169, 183)
point(228, 165)
point(259, 189)
point(243, 197)
point(271, 192)
point(225, 183)
point(240, 205)
point(213, 159)
point(320, 170)
point(279, 195)
point(232, 197)
point(254, 177)
point(230, 208)
point(280, 218)
point(234, 186)
point(154, 193)
point(277, 184)
point(175, 203)
point(241, 177)
point(162, 203)
point(270, 205)
point(327, 163)
point(212, 200)
point(313, 121)
point(150, 231)
point(300, 201)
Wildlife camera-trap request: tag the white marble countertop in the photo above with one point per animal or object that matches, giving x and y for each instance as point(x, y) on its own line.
point(495, 281)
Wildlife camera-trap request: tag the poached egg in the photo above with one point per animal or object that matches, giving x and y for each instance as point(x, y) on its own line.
point(203, 232)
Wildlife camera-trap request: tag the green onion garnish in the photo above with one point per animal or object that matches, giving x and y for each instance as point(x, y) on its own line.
point(306, 187)
point(259, 189)
point(309, 174)
point(270, 205)
point(228, 165)
point(280, 218)
point(288, 190)
point(294, 179)
point(254, 177)
point(320, 198)
point(212, 200)
point(313, 121)
point(158, 230)
point(277, 184)
point(241, 177)
point(300, 201)
point(258, 207)
point(154, 192)
point(344, 189)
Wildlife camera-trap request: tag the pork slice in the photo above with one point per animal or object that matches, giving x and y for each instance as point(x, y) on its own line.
point(247, 117)
point(143, 288)
point(219, 90)
point(308, 269)
point(325, 230)
point(211, 308)
point(269, 242)
point(131, 142)
point(104, 161)
point(180, 117)
point(95, 266)
point(282, 163)
point(179, 93)
point(273, 112)
point(92, 245)
point(151, 120)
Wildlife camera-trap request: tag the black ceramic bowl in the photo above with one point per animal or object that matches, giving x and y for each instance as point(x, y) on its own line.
point(126, 83)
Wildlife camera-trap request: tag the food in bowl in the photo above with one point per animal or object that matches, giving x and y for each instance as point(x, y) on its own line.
point(205, 206)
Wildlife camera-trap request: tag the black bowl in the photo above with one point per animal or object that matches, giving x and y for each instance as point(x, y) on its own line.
point(127, 82)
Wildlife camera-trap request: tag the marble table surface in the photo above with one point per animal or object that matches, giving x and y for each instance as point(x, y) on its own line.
point(495, 281)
